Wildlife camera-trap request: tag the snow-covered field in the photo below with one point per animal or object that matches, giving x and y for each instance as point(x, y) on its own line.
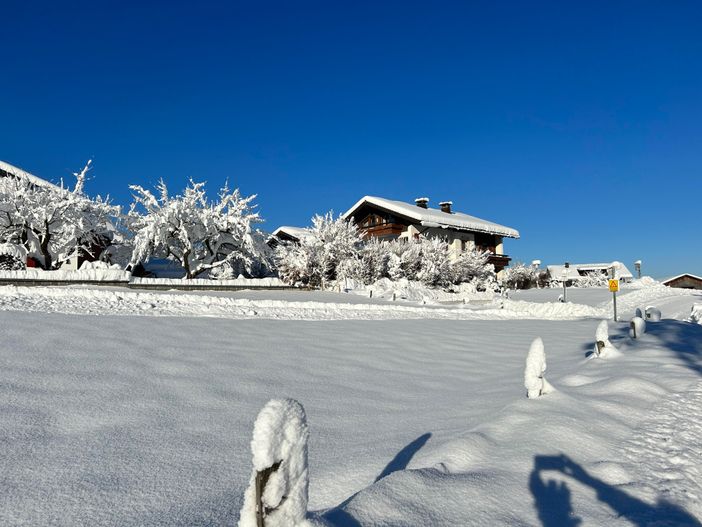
point(418, 417)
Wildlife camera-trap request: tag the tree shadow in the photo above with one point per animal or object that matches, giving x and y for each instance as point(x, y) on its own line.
point(404, 456)
point(683, 338)
point(338, 515)
point(552, 499)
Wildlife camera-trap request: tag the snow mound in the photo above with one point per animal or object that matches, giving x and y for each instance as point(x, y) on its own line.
point(534, 380)
point(696, 314)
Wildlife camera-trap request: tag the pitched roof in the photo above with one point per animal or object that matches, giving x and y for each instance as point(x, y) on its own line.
point(664, 282)
point(434, 217)
point(294, 232)
point(556, 271)
point(18, 172)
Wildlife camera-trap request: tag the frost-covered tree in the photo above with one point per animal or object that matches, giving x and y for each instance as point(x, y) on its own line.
point(55, 223)
point(200, 234)
point(534, 381)
point(279, 449)
point(316, 259)
point(592, 279)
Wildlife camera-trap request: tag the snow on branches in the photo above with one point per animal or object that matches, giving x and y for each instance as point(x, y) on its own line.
point(201, 235)
point(329, 251)
point(54, 223)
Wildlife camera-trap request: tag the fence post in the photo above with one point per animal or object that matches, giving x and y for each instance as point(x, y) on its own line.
point(277, 492)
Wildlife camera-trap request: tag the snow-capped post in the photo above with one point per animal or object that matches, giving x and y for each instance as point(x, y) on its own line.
point(653, 314)
point(614, 287)
point(602, 343)
point(534, 381)
point(277, 492)
point(637, 327)
point(565, 280)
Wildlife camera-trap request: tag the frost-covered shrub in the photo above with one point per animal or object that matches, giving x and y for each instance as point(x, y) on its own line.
point(603, 346)
point(637, 327)
point(534, 381)
point(197, 233)
point(315, 260)
point(12, 257)
point(54, 223)
point(520, 276)
point(473, 267)
point(696, 314)
point(435, 266)
point(592, 279)
point(404, 259)
point(372, 264)
point(279, 442)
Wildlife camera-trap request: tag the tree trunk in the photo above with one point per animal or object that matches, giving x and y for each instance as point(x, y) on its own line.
point(45, 247)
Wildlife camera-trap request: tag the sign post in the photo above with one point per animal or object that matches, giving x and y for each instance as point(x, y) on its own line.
point(614, 287)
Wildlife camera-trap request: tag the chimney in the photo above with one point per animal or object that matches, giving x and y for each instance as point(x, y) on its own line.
point(446, 206)
point(422, 202)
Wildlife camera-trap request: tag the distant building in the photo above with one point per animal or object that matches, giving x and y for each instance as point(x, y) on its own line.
point(559, 273)
point(389, 219)
point(287, 234)
point(684, 281)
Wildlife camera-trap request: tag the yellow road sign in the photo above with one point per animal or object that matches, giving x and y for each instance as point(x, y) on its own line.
point(613, 286)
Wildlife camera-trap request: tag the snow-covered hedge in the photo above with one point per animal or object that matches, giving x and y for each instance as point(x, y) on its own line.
point(236, 282)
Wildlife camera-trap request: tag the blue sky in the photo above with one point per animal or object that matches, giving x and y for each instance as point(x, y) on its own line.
point(580, 124)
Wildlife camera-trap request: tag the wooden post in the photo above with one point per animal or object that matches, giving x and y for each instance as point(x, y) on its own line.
point(262, 477)
point(600, 347)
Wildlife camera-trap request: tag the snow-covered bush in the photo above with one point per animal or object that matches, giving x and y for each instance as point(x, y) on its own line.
point(473, 267)
point(637, 327)
point(534, 381)
point(404, 259)
point(603, 346)
point(316, 259)
point(435, 265)
point(279, 449)
point(12, 257)
point(372, 264)
point(592, 279)
point(520, 276)
point(55, 223)
point(197, 233)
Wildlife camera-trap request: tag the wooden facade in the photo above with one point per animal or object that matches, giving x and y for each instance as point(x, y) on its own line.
point(376, 222)
point(685, 281)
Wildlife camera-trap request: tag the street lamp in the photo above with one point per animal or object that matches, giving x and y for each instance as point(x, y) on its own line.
point(565, 278)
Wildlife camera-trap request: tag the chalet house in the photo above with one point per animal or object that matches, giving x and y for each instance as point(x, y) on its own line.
point(684, 281)
point(574, 272)
point(389, 219)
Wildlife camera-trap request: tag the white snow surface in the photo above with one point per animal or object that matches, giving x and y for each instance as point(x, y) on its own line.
point(417, 414)
point(89, 273)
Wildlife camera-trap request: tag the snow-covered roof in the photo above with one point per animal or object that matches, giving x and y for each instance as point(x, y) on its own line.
point(434, 217)
point(664, 282)
point(293, 232)
point(18, 172)
point(620, 270)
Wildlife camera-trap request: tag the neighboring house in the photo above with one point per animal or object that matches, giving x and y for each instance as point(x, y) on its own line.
point(287, 234)
point(389, 219)
point(684, 281)
point(577, 271)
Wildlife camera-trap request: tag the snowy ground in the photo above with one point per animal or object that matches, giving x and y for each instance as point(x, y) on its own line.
point(417, 412)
